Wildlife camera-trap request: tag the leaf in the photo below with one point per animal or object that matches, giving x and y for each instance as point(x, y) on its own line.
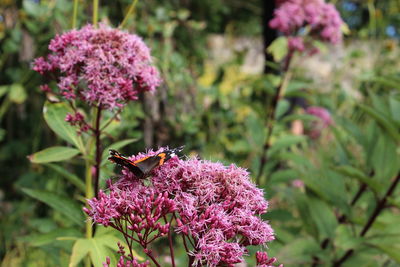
point(118, 145)
point(278, 48)
point(352, 172)
point(391, 250)
point(54, 114)
point(317, 216)
point(4, 89)
point(282, 108)
point(61, 204)
point(47, 238)
point(72, 178)
point(285, 142)
point(17, 93)
point(283, 176)
point(382, 121)
point(98, 248)
point(53, 154)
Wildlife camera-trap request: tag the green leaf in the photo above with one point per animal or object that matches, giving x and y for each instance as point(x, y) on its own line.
point(394, 104)
point(382, 121)
point(4, 89)
point(391, 250)
point(278, 48)
point(64, 205)
point(282, 108)
point(299, 251)
point(118, 145)
point(352, 172)
point(283, 176)
point(285, 142)
point(317, 216)
point(54, 114)
point(17, 93)
point(72, 178)
point(98, 248)
point(50, 237)
point(53, 154)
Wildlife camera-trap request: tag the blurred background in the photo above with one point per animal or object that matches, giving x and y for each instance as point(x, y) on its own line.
point(219, 80)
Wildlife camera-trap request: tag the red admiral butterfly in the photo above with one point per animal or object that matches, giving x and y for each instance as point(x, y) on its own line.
point(142, 168)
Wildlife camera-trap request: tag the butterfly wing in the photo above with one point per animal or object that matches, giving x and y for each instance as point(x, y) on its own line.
point(117, 158)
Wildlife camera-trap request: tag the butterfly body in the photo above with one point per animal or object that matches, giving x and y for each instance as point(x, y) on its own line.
point(142, 168)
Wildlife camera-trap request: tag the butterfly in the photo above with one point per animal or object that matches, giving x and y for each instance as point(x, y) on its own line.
point(142, 168)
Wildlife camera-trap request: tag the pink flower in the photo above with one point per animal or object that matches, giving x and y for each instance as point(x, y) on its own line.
point(77, 119)
point(102, 66)
point(216, 207)
point(297, 183)
point(264, 261)
point(323, 120)
point(321, 21)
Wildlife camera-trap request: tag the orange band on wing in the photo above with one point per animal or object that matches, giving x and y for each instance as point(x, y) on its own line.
point(140, 160)
point(162, 156)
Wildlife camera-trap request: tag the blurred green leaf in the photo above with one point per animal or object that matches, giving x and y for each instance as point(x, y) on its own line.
point(4, 89)
point(17, 93)
point(282, 108)
point(286, 141)
point(352, 172)
point(72, 178)
point(53, 154)
point(278, 48)
point(50, 237)
point(54, 114)
point(69, 208)
point(391, 250)
point(382, 121)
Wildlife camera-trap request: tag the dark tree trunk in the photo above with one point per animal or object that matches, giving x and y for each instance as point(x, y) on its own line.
point(269, 35)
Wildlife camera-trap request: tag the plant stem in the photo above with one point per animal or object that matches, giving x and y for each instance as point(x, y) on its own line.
point(131, 11)
point(272, 113)
point(378, 209)
point(150, 254)
point(74, 14)
point(171, 248)
point(88, 195)
point(95, 12)
point(98, 151)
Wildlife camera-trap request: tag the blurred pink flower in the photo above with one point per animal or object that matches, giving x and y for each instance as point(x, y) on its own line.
point(298, 183)
point(217, 208)
point(103, 66)
point(318, 19)
point(323, 121)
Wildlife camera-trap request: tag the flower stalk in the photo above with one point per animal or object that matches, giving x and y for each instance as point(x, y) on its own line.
point(271, 114)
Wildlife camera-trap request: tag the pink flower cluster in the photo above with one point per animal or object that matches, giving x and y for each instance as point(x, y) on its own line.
point(102, 66)
point(318, 19)
point(124, 261)
point(216, 207)
point(323, 120)
point(135, 210)
point(77, 119)
point(264, 261)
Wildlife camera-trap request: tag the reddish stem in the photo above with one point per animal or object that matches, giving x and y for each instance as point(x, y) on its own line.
point(98, 152)
point(171, 248)
point(271, 116)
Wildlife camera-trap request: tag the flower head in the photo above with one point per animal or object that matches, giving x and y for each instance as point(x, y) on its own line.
point(323, 120)
point(216, 207)
point(102, 66)
point(295, 18)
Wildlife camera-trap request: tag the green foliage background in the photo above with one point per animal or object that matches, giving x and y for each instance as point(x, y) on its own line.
point(217, 112)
